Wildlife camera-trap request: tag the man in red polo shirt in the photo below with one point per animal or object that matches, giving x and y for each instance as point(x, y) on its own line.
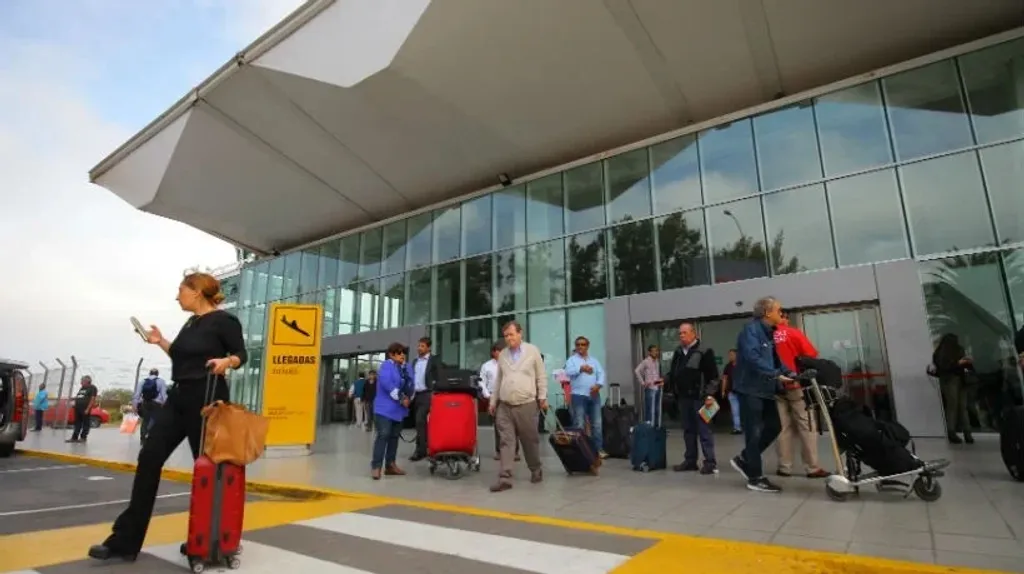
point(790, 343)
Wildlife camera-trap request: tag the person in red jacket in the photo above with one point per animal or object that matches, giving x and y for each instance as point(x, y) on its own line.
point(791, 343)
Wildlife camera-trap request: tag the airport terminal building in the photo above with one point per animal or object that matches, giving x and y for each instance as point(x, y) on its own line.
point(611, 168)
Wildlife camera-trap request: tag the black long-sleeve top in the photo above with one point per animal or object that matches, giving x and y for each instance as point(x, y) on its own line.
point(214, 335)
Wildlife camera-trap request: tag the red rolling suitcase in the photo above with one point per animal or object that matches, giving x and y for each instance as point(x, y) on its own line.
point(216, 510)
point(451, 428)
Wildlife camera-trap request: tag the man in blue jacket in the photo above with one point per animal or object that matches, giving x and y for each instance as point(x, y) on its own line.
point(758, 377)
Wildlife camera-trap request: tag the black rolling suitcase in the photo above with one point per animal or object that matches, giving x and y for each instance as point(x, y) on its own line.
point(617, 421)
point(575, 449)
point(1011, 441)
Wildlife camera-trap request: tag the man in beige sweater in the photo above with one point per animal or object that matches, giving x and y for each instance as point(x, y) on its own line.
point(520, 392)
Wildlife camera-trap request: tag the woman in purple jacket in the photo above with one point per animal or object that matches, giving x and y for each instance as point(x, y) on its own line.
point(389, 410)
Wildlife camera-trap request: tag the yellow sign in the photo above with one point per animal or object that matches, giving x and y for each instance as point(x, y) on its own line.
point(291, 373)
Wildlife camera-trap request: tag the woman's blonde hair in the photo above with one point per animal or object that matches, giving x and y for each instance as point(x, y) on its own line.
point(207, 285)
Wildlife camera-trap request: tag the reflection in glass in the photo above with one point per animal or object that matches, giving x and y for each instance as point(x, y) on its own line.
point(584, 197)
point(392, 290)
point(371, 251)
point(675, 177)
point(1003, 166)
point(257, 323)
point(245, 287)
point(510, 280)
point(727, 161)
point(588, 268)
point(329, 300)
point(509, 217)
point(787, 147)
point(275, 279)
point(868, 218)
point(476, 226)
point(852, 130)
point(347, 310)
point(545, 200)
point(546, 330)
point(545, 263)
point(965, 296)
point(394, 247)
point(447, 233)
point(477, 342)
point(946, 204)
point(448, 291)
point(308, 270)
point(629, 189)
point(368, 295)
point(994, 79)
point(447, 341)
point(290, 277)
point(419, 247)
point(631, 252)
point(348, 267)
point(1013, 264)
point(926, 111)
point(737, 239)
point(260, 279)
point(588, 322)
point(682, 246)
point(797, 222)
point(479, 273)
point(418, 299)
point(327, 270)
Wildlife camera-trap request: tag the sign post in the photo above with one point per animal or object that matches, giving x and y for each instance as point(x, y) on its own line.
point(292, 373)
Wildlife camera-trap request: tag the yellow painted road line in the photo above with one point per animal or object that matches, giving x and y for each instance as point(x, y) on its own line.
point(31, 550)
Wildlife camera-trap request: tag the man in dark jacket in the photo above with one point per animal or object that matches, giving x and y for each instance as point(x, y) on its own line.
point(693, 377)
point(423, 370)
point(758, 377)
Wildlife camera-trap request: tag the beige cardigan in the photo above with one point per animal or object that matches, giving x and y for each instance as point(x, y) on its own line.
point(521, 382)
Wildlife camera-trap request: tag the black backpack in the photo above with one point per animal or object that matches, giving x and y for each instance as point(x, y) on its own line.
point(150, 391)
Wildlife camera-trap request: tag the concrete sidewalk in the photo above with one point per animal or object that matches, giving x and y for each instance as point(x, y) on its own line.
point(979, 522)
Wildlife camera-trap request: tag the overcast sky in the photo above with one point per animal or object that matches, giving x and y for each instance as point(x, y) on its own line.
point(78, 78)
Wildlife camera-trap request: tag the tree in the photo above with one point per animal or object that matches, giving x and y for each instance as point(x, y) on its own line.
point(116, 396)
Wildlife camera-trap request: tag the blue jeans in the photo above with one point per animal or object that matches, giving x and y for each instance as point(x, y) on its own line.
point(734, 403)
point(652, 399)
point(385, 442)
point(761, 426)
point(586, 408)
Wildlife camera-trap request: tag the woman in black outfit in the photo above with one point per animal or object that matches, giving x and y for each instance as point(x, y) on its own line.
point(953, 366)
point(210, 341)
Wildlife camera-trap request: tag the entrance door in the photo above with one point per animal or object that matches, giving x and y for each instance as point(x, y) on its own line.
point(345, 369)
point(852, 337)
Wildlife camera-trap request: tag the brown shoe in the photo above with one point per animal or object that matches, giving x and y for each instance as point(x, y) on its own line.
point(501, 486)
point(820, 473)
point(393, 470)
point(375, 474)
point(536, 476)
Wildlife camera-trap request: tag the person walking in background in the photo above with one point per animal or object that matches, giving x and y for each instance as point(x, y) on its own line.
point(694, 377)
point(40, 403)
point(953, 366)
point(758, 377)
point(648, 375)
point(791, 343)
point(83, 404)
point(424, 371)
point(149, 398)
point(391, 406)
point(369, 394)
point(520, 393)
point(586, 379)
point(733, 398)
point(488, 379)
point(358, 407)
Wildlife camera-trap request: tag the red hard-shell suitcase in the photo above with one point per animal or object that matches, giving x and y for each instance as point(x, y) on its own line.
point(451, 428)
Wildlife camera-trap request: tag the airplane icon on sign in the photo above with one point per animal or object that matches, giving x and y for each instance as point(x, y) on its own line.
point(294, 326)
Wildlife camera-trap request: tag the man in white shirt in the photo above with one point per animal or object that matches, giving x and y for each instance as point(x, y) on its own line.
point(488, 377)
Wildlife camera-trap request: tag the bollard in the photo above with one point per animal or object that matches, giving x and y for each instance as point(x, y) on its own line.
point(71, 393)
point(60, 392)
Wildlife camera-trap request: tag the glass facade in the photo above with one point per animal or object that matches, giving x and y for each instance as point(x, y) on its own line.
point(925, 164)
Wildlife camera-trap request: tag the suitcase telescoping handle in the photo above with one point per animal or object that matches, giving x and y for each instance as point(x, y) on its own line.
point(614, 394)
point(208, 395)
point(658, 405)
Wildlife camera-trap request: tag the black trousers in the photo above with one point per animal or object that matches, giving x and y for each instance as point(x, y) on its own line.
point(147, 413)
point(81, 428)
point(179, 419)
point(421, 409)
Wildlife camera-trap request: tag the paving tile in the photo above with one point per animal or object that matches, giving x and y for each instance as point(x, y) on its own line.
point(741, 535)
point(885, 535)
point(810, 543)
point(992, 562)
point(979, 545)
point(760, 523)
point(893, 552)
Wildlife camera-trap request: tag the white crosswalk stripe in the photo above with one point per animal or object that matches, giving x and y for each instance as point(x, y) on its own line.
point(262, 559)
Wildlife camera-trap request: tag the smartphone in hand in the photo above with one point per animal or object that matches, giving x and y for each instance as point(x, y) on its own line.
point(139, 329)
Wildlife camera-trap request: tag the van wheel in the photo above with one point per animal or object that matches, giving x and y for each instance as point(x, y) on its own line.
point(95, 422)
point(6, 450)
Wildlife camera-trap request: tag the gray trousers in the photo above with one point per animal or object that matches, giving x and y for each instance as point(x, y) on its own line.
point(517, 423)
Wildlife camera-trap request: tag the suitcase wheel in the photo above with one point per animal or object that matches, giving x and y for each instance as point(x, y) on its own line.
point(234, 563)
point(196, 565)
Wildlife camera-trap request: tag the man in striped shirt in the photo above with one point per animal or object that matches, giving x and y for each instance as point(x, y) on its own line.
point(648, 374)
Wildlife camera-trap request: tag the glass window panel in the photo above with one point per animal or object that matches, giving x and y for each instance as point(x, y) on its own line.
point(292, 265)
point(348, 265)
point(545, 208)
point(737, 236)
point(546, 330)
point(395, 236)
point(392, 303)
point(477, 342)
point(229, 288)
point(588, 267)
point(946, 204)
point(629, 187)
point(479, 273)
point(545, 263)
point(584, 197)
point(275, 279)
point(372, 250)
point(926, 111)
point(329, 299)
point(420, 245)
point(447, 234)
point(347, 309)
point(631, 251)
point(799, 235)
point(418, 297)
point(1013, 263)
point(245, 286)
point(675, 175)
point(852, 129)
point(588, 322)
point(1004, 176)
point(308, 271)
point(509, 221)
point(682, 245)
point(260, 282)
point(368, 293)
point(257, 323)
point(994, 79)
point(727, 162)
point(447, 342)
point(510, 280)
point(327, 270)
point(787, 147)
point(243, 320)
point(868, 218)
point(448, 291)
point(476, 226)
